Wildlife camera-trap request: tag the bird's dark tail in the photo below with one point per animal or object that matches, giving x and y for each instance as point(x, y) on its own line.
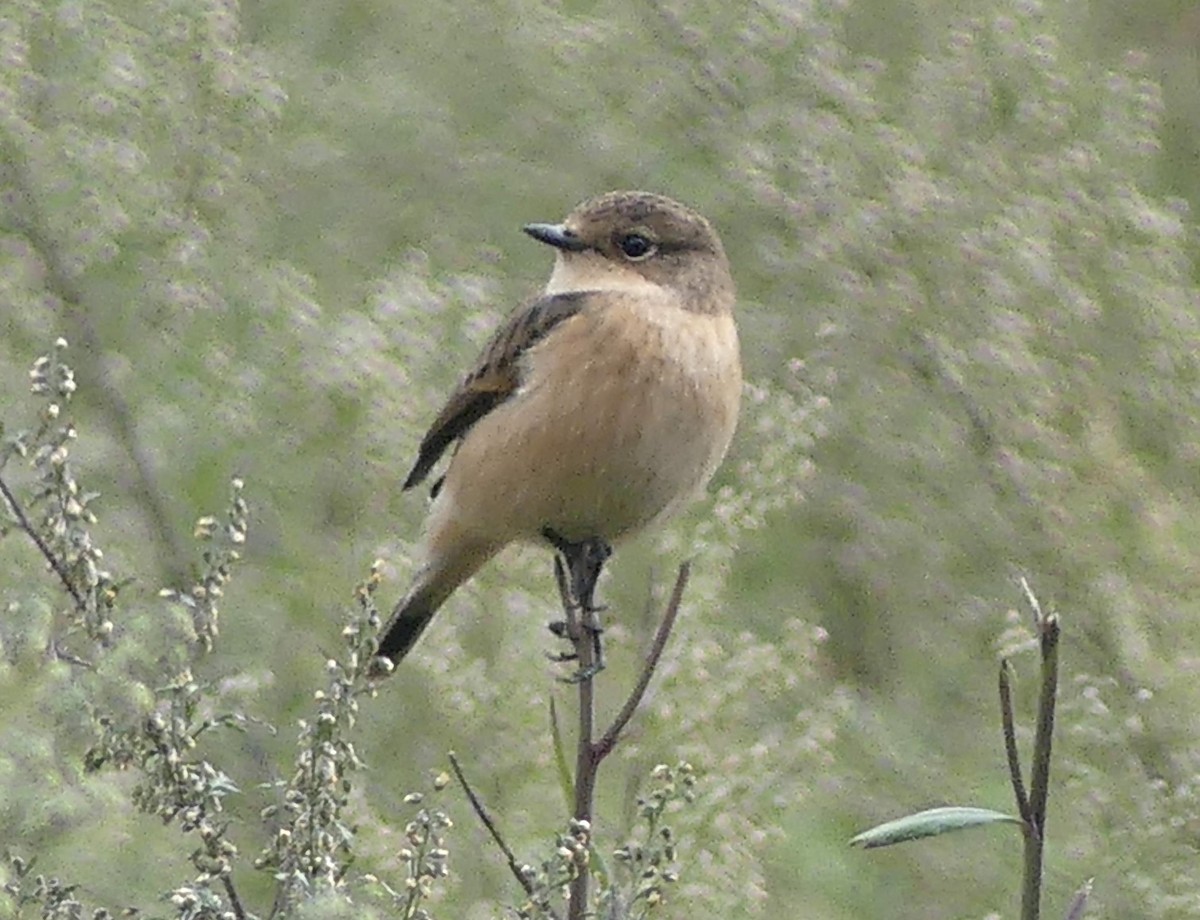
point(408, 621)
point(433, 584)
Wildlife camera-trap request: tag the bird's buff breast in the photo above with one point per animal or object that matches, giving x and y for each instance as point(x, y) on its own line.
point(623, 414)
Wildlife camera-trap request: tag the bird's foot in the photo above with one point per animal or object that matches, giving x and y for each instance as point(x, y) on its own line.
point(590, 624)
point(581, 674)
point(584, 561)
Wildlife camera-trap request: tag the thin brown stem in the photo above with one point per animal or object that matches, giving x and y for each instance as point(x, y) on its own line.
point(55, 563)
point(1039, 780)
point(585, 761)
point(1010, 746)
point(234, 901)
point(485, 816)
point(589, 753)
point(610, 737)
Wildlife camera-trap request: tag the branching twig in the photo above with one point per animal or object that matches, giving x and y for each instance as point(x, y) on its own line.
point(1039, 775)
point(590, 753)
point(1010, 746)
point(576, 589)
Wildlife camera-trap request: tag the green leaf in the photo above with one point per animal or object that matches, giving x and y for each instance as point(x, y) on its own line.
point(930, 823)
point(565, 781)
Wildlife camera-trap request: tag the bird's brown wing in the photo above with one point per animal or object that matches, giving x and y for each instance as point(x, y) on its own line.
point(494, 378)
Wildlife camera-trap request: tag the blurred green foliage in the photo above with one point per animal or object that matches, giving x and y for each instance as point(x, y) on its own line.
point(964, 239)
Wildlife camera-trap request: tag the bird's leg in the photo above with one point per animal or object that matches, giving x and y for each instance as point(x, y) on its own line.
point(585, 560)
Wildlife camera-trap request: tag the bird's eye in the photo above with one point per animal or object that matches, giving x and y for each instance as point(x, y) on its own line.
point(636, 247)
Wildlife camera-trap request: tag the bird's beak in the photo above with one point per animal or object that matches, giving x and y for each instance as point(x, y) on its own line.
point(556, 235)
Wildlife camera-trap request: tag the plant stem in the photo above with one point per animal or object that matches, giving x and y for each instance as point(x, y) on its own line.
point(1039, 782)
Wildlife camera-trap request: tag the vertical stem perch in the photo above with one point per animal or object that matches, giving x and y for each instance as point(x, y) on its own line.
point(1039, 781)
point(590, 753)
point(1010, 745)
point(574, 595)
point(585, 768)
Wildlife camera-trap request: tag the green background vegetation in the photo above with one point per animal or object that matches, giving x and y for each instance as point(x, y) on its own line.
point(273, 234)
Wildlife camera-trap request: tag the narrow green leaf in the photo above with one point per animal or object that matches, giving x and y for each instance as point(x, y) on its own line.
point(930, 823)
point(565, 781)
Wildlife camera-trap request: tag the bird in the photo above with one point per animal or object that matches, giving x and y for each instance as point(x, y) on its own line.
point(598, 408)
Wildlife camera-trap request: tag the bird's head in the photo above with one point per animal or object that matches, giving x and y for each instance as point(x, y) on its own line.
point(629, 240)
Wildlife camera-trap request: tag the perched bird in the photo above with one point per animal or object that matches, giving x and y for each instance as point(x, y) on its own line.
point(599, 407)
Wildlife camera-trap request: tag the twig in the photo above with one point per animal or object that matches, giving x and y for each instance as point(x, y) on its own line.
point(609, 740)
point(1039, 779)
point(585, 762)
point(486, 818)
point(234, 901)
point(62, 653)
point(1035, 606)
point(1010, 747)
point(590, 753)
point(55, 563)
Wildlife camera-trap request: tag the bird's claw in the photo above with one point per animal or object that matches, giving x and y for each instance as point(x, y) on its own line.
point(582, 674)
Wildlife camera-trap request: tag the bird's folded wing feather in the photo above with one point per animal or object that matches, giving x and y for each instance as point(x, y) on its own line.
point(495, 377)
